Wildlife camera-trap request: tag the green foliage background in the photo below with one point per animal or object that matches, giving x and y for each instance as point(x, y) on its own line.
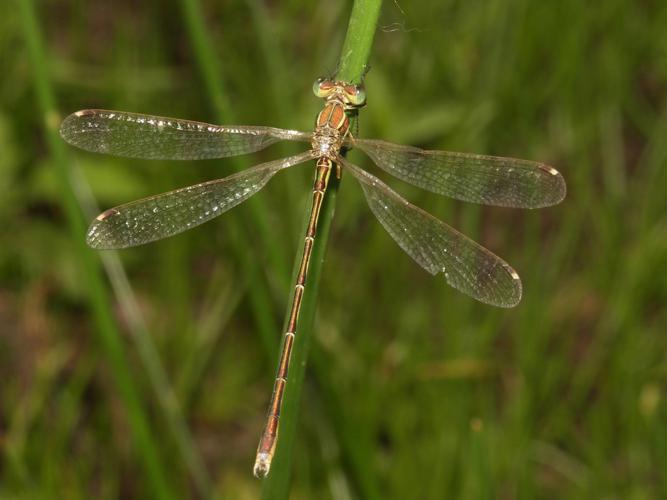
point(412, 390)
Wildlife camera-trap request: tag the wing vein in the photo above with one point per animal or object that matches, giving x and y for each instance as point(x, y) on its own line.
point(170, 213)
point(135, 135)
point(488, 180)
point(437, 247)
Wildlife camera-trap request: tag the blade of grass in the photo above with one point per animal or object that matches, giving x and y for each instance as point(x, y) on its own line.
point(242, 244)
point(353, 61)
point(170, 405)
point(207, 62)
point(222, 302)
point(265, 28)
point(355, 444)
point(26, 412)
point(108, 334)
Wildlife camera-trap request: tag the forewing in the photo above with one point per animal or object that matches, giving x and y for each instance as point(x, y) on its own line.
point(438, 248)
point(166, 214)
point(490, 180)
point(158, 138)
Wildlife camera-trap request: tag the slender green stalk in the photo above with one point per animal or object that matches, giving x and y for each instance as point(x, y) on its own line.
point(355, 444)
point(170, 406)
point(358, 40)
point(207, 62)
point(353, 61)
point(239, 239)
point(106, 329)
point(265, 27)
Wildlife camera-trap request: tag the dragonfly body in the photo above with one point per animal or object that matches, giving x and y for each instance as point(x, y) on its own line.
point(434, 245)
point(331, 129)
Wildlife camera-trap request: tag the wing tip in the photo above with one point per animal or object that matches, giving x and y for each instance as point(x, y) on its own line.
point(97, 244)
point(517, 289)
point(84, 112)
point(549, 169)
point(69, 121)
point(556, 185)
point(93, 242)
point(511, 299)
point(94, 235)
point(105, 215)
point(506, 301)
point(77, 115)
point(509, 305)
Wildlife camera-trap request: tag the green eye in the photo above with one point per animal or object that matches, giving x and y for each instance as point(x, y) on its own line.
point(356, 94)
point(322, 87)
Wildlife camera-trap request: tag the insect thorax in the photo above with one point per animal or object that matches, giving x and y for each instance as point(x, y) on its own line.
point(331, 127)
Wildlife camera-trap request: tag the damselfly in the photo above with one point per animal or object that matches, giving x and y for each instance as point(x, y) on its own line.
point(435, 246)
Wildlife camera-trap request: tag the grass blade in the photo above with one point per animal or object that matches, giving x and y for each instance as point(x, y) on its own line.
point(170, 405)
point(353, 60)
point(108, 334)
point(241, 243)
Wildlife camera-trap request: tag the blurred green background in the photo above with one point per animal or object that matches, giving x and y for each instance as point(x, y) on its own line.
point(413, 390)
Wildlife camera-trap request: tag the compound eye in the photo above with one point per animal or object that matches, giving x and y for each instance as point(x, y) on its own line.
point(322, 87)
point(356, 94)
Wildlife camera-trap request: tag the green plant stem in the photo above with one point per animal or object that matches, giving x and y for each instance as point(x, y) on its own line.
point(277, 66)
point(358, 40)
point(352, 64)
point(167, 399)
point(98, 300)
point(241, 243)
point(210, 72)
point(355, 444)
point(170, 406)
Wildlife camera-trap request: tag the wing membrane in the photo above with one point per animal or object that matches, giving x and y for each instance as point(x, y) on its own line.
point(167, 214)
point(489, 180)
point(437, 247)
point(158, 138)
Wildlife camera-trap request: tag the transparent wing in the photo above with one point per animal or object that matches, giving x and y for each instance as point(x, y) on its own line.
point(438, 248)
point(158, 138)
point(490, 180)
point(166, 214)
